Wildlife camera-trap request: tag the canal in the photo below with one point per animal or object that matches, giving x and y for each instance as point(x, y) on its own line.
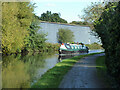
point(82, 33)
point(22, 71)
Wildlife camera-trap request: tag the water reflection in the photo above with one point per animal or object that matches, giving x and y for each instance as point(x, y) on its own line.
point(14, 74)
point(22, 72)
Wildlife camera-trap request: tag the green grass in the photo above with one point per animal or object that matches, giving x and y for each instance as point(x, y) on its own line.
point(94, 46)
point(100, 61)
point(53, 77)
point(102, 71)
point(108, 80)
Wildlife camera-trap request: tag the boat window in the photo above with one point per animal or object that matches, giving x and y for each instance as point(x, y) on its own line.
point(68, 46)
point(75, 47)
point(72, 47)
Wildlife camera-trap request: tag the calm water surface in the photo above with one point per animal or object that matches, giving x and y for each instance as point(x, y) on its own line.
point(82, 33)
point(22, 71)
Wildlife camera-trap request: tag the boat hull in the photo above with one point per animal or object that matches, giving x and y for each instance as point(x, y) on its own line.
point(71, 52)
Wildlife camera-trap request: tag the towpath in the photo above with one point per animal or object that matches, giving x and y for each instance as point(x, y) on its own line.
point(83, 74)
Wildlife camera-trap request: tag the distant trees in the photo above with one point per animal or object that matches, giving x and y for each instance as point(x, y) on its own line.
point(80, 23)
point(65, 35)
point(52, 17)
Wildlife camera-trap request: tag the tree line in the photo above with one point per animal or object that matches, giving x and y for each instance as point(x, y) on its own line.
point(52, 17)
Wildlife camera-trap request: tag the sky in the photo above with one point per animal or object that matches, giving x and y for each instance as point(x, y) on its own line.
point(69, 9)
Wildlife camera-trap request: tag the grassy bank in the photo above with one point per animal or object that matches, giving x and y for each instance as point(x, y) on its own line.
point(109, 81)
point(102, 71)
point(53, 77)
point(94, 46)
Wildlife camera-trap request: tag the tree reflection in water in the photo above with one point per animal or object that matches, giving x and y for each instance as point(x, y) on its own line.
point(21, 71)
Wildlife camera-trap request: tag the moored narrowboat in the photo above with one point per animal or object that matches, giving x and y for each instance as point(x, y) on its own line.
point(67, 48)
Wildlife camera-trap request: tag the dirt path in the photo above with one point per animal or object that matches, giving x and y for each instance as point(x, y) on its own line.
point(83, 75)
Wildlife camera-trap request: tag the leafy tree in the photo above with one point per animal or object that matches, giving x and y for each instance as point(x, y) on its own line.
point(35, 40)
point(20, 28)
point(80, 23)
point(108, 28)
point(65, 35)
point(16, 19)
point(52, 17)
point(93, 12)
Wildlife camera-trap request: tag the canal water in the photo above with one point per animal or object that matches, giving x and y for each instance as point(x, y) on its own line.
point(82, 33)
point(23, 71)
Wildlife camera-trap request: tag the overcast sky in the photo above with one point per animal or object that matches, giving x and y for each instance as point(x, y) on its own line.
point(69, 9)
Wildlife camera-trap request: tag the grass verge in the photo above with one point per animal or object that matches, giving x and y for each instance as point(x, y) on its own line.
point(100, 61)
point(53, 77)
point(102, 71)
point(108, 80)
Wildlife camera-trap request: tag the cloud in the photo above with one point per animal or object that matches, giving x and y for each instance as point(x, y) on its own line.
point(50, 5)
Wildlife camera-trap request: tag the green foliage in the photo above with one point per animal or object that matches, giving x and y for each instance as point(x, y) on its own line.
point(108, 28)
point(93, 12)
point(94, 46)
point(51, 47)
point(102, 71)
point(20, 28)
point(55, 17)
point(79, 23)
point(35, 40)
point(65, 35)
point(16, 19)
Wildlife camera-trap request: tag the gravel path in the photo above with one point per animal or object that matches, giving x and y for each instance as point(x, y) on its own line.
point(83, 74)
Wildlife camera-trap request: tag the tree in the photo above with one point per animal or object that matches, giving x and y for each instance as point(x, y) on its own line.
point(108, 29)
point(20, 28)
point(65, 35)
point(17, 17)
point(55, 17)
point(93, 12)
point(35, 40)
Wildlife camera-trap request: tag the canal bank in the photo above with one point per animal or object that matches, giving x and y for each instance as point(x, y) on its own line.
point(53, 77)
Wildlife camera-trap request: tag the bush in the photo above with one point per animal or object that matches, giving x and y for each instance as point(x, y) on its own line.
point(65, 35)
point(108, 28)
point(52, 47)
